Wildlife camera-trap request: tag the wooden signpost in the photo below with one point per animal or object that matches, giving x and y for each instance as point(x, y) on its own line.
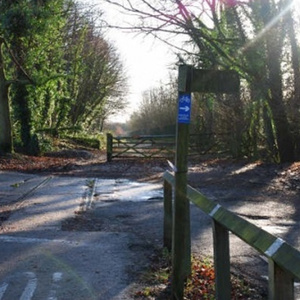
point(190, 80)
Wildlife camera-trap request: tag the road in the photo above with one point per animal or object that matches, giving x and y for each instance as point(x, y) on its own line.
point(40, 259)
point(89, 238)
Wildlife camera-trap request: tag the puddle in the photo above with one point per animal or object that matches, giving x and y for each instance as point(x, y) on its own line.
point(128, 190)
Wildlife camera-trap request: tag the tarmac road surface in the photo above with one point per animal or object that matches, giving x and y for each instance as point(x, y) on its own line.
point(47, 252)
point(39, 260)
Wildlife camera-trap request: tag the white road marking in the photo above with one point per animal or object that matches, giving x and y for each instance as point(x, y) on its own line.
point(25, 240)
point(30, 287)
point(3, 288)
point(21, 240)
point(56, 277)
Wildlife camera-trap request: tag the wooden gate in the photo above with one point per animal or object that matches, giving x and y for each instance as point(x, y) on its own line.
point(144, 146)
point(163, 146)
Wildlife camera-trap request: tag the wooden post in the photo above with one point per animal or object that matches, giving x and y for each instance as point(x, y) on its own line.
point(281, 283)
point(109, 147)
point(189, 80)
point(221, 261)
point(168, 215)
point(181, 247)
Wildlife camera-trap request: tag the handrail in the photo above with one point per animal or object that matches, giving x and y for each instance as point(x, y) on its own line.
point(284, 260)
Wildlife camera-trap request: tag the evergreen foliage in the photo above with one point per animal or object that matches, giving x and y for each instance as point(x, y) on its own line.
point(56, 70)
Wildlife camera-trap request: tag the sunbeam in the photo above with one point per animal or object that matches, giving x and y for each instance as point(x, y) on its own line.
point(272, 23)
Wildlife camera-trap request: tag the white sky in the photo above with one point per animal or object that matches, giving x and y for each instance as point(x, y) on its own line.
point(147, 61)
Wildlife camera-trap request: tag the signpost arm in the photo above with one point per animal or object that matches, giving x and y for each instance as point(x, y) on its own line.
point(181, 248)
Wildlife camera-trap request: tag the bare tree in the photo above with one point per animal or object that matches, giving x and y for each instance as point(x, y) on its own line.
point(243, 35)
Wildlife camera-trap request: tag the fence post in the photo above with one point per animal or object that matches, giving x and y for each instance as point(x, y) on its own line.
point(281, 283)
point(168, 215)
point(181, 242)
point(221, 261)
point(109, 147)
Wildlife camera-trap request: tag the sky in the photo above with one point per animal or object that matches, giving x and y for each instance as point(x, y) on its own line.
point(147, 62)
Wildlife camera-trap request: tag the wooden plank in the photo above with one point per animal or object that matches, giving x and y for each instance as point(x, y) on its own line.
point(209, 81)
point(248, 232)
point(281, 283)
point(169, 177)
point(284, 255)
point(168, 215)
point(288, 258)
point(109, 147)
point(215, 81)
point(147, 147)
point(284, 260)
point(221, 261)
point(181, 251)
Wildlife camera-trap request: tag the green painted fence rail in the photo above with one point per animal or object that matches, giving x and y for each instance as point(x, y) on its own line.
point(283, 259)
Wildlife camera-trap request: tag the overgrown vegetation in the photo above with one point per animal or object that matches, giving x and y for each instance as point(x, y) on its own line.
point(57, 71)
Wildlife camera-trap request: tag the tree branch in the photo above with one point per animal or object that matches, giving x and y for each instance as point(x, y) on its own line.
point(14, 59)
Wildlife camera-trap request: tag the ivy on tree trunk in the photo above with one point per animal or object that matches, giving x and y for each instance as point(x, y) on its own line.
point(5, 121)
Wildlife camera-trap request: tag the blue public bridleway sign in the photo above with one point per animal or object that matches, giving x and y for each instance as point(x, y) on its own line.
point(184, 108)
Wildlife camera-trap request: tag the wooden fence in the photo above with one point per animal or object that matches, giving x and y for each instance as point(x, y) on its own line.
point(157, 146)
point(283, 259)
point(145, 146)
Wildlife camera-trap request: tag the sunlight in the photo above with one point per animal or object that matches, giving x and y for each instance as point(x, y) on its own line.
point(271, 24)
point(244, 169)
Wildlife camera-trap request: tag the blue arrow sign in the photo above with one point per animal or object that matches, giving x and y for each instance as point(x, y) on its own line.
point(184, 108)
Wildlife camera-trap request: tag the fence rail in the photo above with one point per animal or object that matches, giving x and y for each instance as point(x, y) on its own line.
point(158, 146)
point(283, 259)
point(145, 146)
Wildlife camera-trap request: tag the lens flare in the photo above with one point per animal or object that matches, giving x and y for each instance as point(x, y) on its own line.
point(272, 23)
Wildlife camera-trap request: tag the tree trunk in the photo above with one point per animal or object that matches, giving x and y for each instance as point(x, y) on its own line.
point(5, 122)
point(273, 43)
point(23, 114)
point(295, 103)
point(21, 96)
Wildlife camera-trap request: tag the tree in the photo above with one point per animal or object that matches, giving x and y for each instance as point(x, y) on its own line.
point(101, 82)
point(57, 68)
point(22, 26)
point(248, 36)
point(95, 82)
point(157, 111)
point(5, 121)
